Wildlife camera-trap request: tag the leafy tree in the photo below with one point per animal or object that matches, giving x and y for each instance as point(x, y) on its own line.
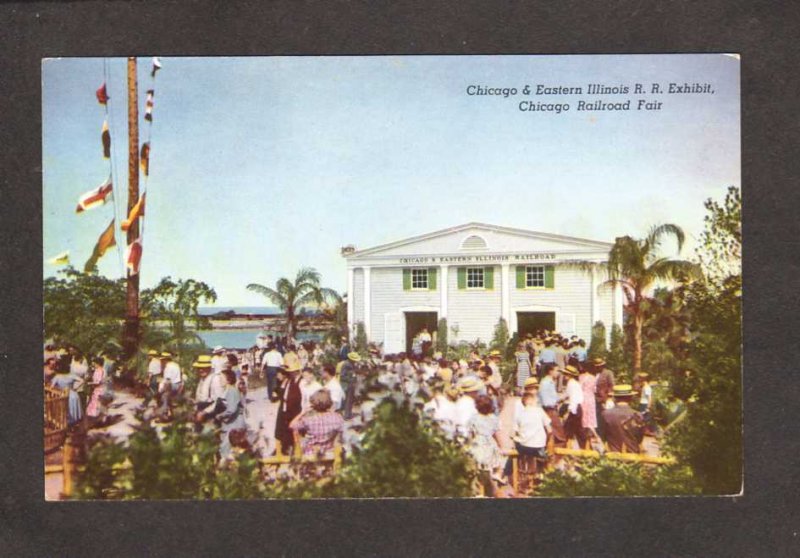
point(665, 333)
point(710, 438)
point(360, 341)
point(84, 310)
point(291, 296)
point(609, 478)
point(441, 337)
point(500, 338)
point(597, 345)
point(636, 266)
point(617, 359)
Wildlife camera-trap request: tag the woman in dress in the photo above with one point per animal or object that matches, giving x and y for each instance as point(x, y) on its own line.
point(64, 380)
point(289, 406)
point(232, 417)
point(95, 408)
point(523, 365)
point(588, 383)
point(484, 443)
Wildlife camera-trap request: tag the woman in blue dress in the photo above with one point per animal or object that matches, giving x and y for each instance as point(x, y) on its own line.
point(64, 380)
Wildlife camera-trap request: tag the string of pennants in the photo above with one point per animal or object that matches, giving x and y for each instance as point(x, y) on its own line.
point(98, 196)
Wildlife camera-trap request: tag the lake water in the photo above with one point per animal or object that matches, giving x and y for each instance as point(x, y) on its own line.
point(244, 310)
point(244, 338)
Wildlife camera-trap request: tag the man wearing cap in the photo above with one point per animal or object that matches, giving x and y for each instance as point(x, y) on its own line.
point(465, 410)
point(271, 362)
point(603, 390)
point(624, 427)
point(218, 359)
point(205, 397)
point(348, 380)
point(153, 372)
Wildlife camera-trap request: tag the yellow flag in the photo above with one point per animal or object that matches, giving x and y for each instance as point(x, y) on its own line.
point(105, 242)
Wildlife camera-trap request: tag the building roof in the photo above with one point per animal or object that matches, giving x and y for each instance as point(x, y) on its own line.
point(568, 242)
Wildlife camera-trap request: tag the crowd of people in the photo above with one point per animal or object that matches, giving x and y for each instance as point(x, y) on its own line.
point(554, 394)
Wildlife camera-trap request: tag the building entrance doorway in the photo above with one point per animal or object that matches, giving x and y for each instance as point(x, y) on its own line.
point(531, 322)
point(415, 321)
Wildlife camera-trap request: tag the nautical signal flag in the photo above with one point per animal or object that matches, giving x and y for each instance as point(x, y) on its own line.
point(105, 242)
point(144, 158)
point(148, 106)
point(136, 211)
point(106, 136)
point(61, 259)
point(133, 257)
point(102, 94)
point(156, 66)
point(95, 198)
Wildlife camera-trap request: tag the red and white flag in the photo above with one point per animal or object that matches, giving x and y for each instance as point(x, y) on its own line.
point(102, 94)
point(148, 106)
point(133, 257)
point(95, 198)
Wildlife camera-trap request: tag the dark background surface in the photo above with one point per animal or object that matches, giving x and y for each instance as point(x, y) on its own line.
point(763, 521)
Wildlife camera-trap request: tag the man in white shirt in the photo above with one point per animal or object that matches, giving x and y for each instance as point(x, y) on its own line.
point(219, 359)
point(496, 380)
point(442, 411)
point(171, 385)
point(531, 427)
point(153, 372)
point(574, 397)
point(272, 361)
point(465, 410)
point(333, 386)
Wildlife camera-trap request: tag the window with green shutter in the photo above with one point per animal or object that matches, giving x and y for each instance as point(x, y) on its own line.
point(406, 279)
point(549, 277)
point(488, 278)
point(462, 277)
point(431, 278)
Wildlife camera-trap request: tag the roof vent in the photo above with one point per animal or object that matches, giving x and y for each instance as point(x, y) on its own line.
point(473, 242)
point(347, 250)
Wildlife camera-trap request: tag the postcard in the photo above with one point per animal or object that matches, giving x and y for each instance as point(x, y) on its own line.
point(496, 276)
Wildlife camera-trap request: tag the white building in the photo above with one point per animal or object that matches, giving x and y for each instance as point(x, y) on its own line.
point(473, 275)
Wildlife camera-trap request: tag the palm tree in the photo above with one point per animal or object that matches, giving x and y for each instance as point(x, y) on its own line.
point(635, 265)
point(290, 296)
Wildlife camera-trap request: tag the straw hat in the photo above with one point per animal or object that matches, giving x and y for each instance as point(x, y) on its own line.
point(623, 390)
point(598, 361)
point(354, 356)
point(166, 354)
point(152, 352)
point(643, 375)
point(570, 370)
point(201, 363)
point(530, 383)
point(469, 385)
point(494, 353)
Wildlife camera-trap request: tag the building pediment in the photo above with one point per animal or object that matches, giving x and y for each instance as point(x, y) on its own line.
point(476, 241)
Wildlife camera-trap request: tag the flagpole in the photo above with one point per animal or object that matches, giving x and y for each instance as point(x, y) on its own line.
point(131, 336)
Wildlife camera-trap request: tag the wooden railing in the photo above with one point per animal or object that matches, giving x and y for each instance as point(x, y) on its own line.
point(56, 403)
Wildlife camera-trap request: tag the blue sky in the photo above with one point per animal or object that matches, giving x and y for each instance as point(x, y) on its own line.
point(260, 166)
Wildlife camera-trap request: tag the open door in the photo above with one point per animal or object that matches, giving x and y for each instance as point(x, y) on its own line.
point(415, 321)
point(393, 333)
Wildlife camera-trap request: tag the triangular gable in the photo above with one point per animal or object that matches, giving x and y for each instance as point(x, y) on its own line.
point(483, 238)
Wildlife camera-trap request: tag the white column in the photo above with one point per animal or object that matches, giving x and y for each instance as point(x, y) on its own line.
point(505, 295)
point(443, 288)
point(367, 302)
point(595, 299)
point(351, 299)
point(618, 304)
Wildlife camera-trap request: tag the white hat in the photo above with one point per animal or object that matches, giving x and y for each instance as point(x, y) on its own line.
point(218, 349)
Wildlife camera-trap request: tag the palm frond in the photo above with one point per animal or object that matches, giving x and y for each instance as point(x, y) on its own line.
point(274, 296)
point(307, 276)
point(667, 229)
point(675, 269)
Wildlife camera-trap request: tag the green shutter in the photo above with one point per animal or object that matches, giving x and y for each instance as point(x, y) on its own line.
point(406, 279)
point(520, 276)
point(488, 278)
point(549, 276)
point(462, 277)
point(431, 278)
